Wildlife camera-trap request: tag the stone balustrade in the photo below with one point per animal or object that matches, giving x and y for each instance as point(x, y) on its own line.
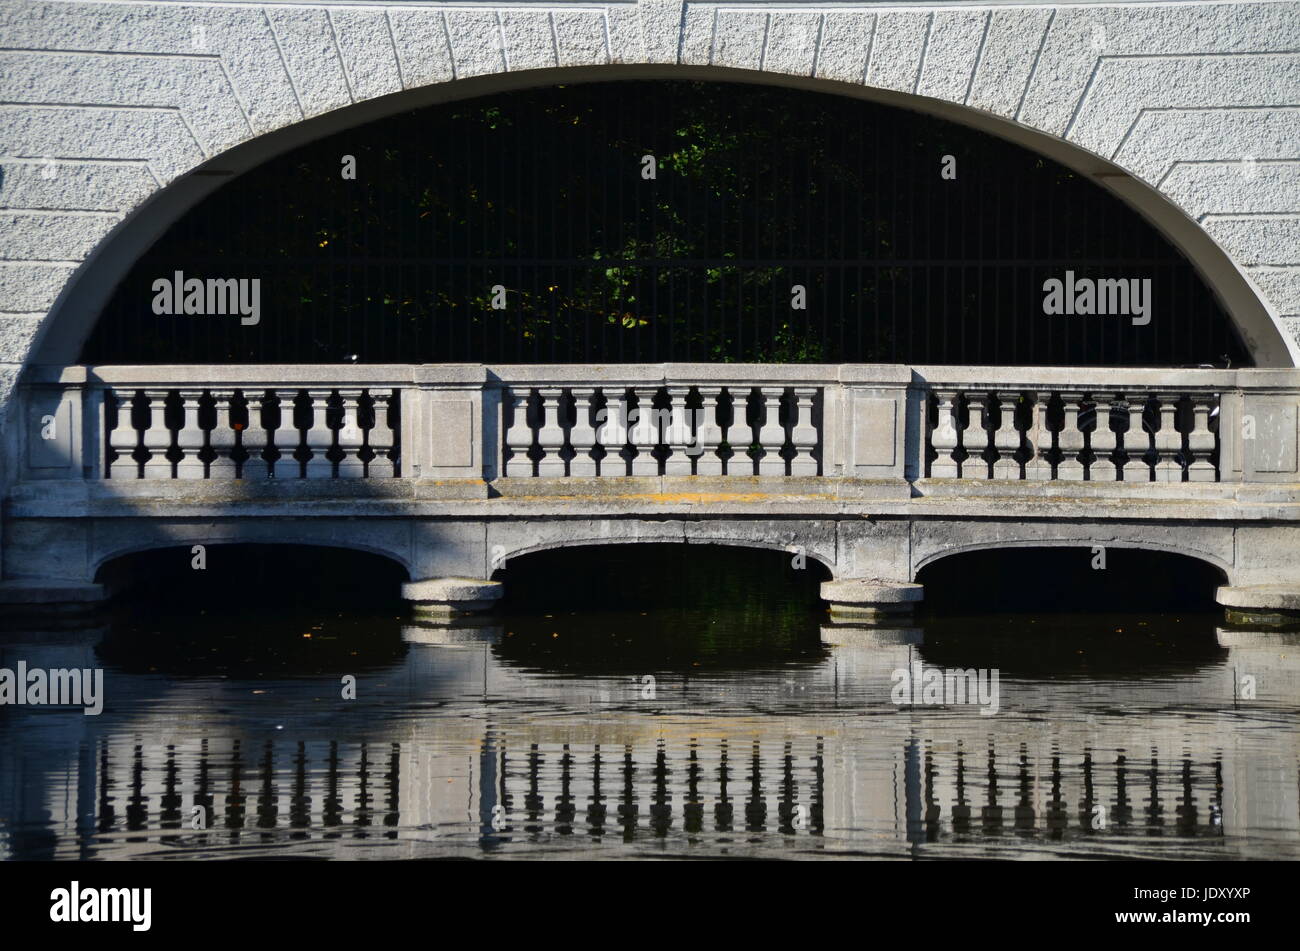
point(865, 424)
point(251, 432)
point(680, 429)
point(1101, 435)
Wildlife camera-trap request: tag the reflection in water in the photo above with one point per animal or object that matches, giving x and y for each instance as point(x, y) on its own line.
point(596, 734)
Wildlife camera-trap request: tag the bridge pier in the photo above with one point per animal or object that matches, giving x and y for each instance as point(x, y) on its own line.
point(53, 601)
point(1263, 605)
point(857, 599)
point(449, 597)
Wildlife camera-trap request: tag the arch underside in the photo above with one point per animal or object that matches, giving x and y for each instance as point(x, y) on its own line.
point(1087, 544)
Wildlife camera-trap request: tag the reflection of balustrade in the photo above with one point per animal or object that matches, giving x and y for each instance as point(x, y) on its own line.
point(771, 790)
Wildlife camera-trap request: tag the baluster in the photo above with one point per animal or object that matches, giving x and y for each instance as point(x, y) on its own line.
point(1071, 440)
point(678, 436)
point(1006, 440)
point(612, 434)
point(645, 434)
point(1136, 442)
point(351, 437)
point(320, 436)
point(975, 466)
point(583, 435)
point(1039, 437)
point(708, 434)
point(1102, 441)
point(381, 439)
point(124, 439)
point(945, 437)
point(157, 437)
point(804, 433)
point(1169, 441)
point(189, 438)
point(287, 437)
point(1200, 441)
point(519, 438)
point(771, 435)
point(255, 437)
point(550, 435)
point(222, 437)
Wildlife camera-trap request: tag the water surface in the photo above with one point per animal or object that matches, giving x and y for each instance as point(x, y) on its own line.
point(752, 731)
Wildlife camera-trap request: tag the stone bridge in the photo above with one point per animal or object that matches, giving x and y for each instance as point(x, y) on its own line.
point(116, 117)
point(452, 471)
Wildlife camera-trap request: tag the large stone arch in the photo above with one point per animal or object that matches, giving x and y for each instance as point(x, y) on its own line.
point(119, 117)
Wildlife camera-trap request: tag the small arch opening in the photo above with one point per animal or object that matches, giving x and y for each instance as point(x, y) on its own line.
point(253, 610)
point(1071, 612)
point(651, 606)
point(1077, 580)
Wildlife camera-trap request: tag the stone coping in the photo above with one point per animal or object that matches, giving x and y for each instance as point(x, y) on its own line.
point(268, 376)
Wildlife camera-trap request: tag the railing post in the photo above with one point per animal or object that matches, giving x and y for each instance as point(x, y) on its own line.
point(550, 435)
point(1101, 441)
point(678, 462)
point(645, 434)
point(804, 434)
point(519, 437)
point(771, 435)
point(945, 438)
point(350, 435)
point(1006, 440)
point(287, 437)
point(157, 437)
point(189, 438)
point(1039, 468)
point(1169, 442)
point(255, 437)
point(975, 466)
point(124, 439)
point(382, 439)
point(708, 435)
point(222, 437)
point(1070, 441)
point(320, 436)
point(93, 431)
point(582, 437)
point(1137, 441)
point(1200, 441)
point(1231, 411)
point(612, 432)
